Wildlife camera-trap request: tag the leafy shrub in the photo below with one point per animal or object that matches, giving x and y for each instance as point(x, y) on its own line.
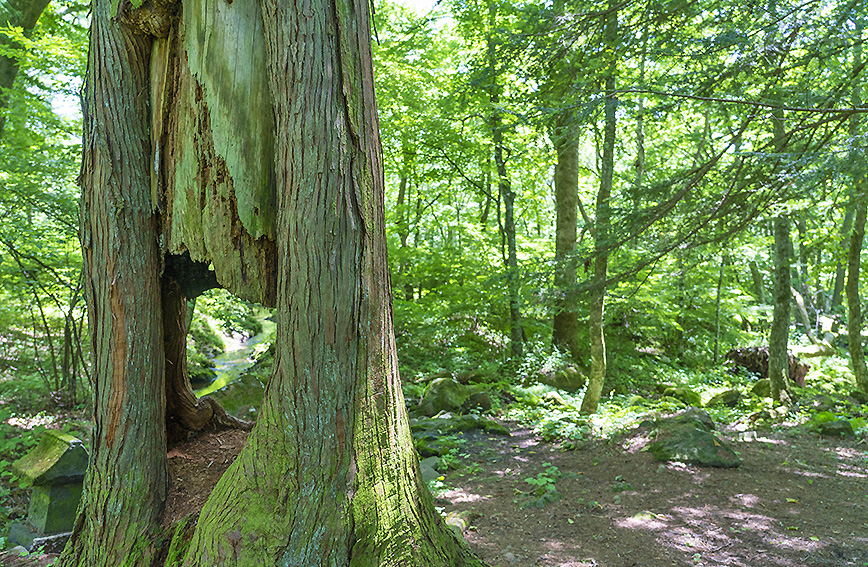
point(234, 315)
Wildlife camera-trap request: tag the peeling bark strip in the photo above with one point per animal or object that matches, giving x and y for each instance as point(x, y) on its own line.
point(215, 131)
point(125, 487)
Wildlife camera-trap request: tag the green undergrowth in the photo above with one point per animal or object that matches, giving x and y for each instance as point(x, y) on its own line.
point(554, 415)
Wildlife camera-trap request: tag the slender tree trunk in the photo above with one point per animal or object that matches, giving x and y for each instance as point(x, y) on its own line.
point(854, 255)
point(841, 267)
point(15, 13)
point(403, 227)
point(717, 307)
point(854, 306)
point(185, 412)
point(758, 285)
point(779, 335)
point(507, 194)
point(597, 376)
point(565, 333)
point(125, 486)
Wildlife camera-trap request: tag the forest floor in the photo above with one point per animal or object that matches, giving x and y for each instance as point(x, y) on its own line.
point(798, 499)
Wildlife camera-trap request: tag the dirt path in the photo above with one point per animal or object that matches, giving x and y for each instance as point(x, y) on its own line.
point(797, 500)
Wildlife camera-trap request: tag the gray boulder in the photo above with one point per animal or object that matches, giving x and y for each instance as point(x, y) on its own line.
point(568, 378)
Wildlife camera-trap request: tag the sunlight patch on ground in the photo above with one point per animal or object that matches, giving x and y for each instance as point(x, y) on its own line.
point(458, 496)
point(746, 500)
point(31, 422)
point(643, 520)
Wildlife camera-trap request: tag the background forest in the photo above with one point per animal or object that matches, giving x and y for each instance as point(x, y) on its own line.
point(587, 202)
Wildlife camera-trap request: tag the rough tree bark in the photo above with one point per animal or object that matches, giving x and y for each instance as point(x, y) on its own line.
point(125, 486)
point(779, 334)
point(283, 196)
point(854, 306)
point(597, 375)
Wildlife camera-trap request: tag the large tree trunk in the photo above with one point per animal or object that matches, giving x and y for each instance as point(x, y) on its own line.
point(597, 375)
point(329, 475)
point(565, 334)
point(125, 486)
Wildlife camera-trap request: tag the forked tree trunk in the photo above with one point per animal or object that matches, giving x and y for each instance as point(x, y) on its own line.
point(329, 475)
point(125, 486)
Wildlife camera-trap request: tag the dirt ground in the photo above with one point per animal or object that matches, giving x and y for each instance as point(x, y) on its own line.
point(798, 500)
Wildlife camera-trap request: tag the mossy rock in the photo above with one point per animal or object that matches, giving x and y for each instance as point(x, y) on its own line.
point(427, 432)
point(729, 398)
point(568, 378)
point(690, 438)
point(838, 428)
point(478, 398)
point(444, 394)
point(555, 400)
point(686, 395)
point(637, 401)
point(762, 388)
point(673, 402)
point(859, 396)
point(59, 458)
